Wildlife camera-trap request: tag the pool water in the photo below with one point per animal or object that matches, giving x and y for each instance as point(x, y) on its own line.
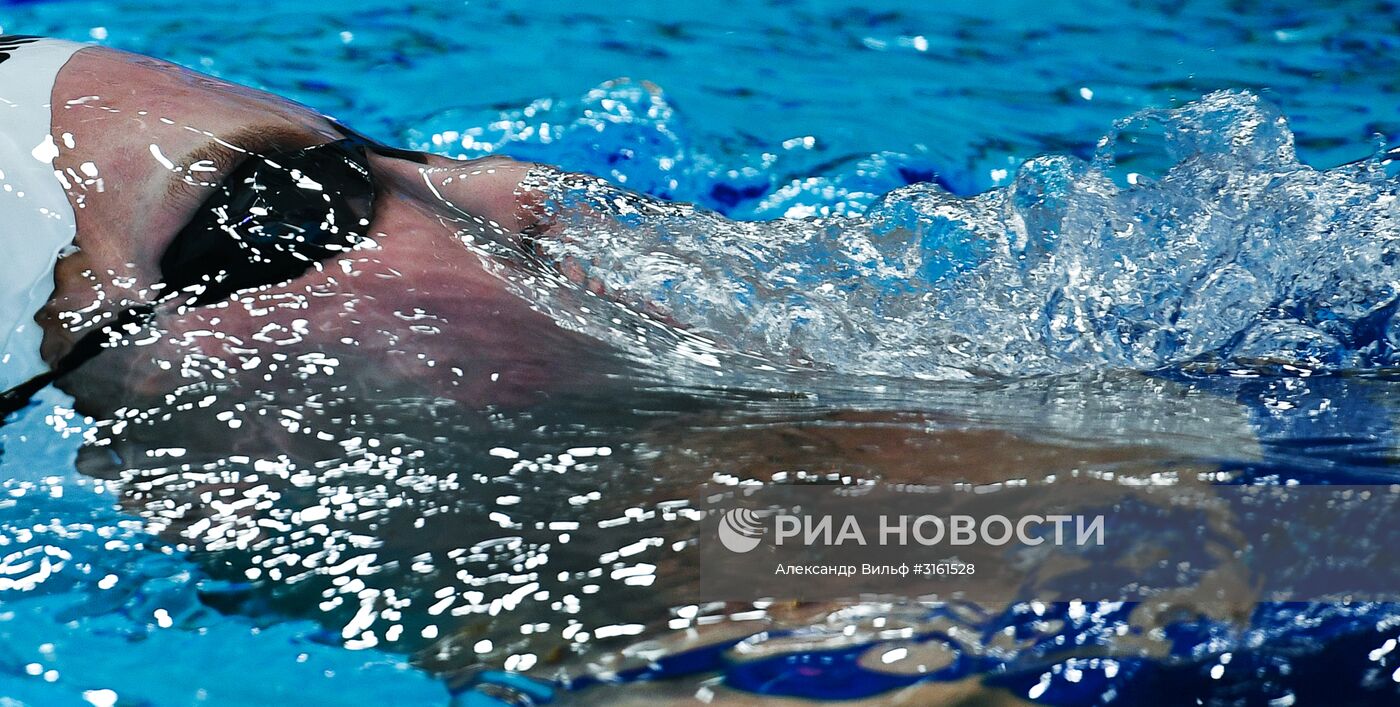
point(1122, 238)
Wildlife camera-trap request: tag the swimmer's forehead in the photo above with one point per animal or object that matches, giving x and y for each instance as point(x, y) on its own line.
point(198, 117)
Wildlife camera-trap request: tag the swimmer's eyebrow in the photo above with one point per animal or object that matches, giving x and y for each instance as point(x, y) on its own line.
point(223, 153)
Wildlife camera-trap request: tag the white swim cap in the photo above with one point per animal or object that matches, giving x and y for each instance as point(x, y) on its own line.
point(36, 220)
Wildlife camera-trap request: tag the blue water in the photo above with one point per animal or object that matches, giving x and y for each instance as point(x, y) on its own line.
point(801, 109)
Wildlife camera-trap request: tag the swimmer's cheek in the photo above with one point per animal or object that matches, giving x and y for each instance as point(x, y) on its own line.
point(129, 377)
point(175, 353)
point(416, 315)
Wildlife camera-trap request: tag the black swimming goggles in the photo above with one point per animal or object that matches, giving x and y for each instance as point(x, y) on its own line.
point(272, 219)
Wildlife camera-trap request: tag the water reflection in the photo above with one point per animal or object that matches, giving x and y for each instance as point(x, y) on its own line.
point(554, 541)
point(537, 520)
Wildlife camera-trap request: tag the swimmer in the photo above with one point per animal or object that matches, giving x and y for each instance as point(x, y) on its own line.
point(150, 213)
point(152, 216)
point(141, 196)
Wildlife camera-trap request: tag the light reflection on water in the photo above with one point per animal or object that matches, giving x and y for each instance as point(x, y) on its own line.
point(552, 541)
point(520, 537)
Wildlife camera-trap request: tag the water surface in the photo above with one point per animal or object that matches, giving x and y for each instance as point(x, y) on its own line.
point(1024, 242)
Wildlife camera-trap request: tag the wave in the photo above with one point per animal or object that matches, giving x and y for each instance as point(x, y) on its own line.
point(1193, 237)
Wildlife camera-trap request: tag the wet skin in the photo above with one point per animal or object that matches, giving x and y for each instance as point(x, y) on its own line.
point(142, 143)
point(420, 313)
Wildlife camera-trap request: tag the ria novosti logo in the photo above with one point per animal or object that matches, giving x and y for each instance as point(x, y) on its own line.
point(741, 529)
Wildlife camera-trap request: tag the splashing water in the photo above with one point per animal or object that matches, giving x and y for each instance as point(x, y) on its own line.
point(551, 541)
point(1193, 239)
point(546, 541)
point(1194, 236)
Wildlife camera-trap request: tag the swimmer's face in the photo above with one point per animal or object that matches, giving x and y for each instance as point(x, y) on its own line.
point(143, 143)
